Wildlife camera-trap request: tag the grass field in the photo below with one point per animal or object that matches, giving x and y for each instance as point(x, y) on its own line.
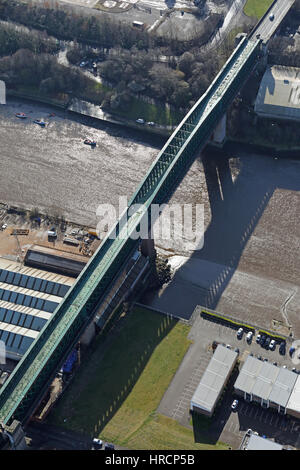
point(257, 8)
point(115, 394)
point(150, 112)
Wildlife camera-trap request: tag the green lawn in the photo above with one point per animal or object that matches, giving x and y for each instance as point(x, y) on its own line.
point(115, 395)
point(257, 8)
point(150, 112)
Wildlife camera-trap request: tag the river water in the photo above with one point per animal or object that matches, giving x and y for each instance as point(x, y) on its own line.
point(249, 264)
point(51, 168)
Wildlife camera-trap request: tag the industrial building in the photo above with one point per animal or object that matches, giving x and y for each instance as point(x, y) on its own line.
point(293, 405)
point(58, 261)
point(28, 298)
point(269, 385)
point(252, 441)
point(279, 94)
point(213, 381)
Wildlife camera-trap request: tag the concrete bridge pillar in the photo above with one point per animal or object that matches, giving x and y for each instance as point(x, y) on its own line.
point(14, 436)
point(219, 133)
point(148, 248)
point(2, 92)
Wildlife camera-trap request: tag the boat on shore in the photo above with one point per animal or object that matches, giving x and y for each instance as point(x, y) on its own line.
point(39, 122)
point(21, 115)
point(90, 142)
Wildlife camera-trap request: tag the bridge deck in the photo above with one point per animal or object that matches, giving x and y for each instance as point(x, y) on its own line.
point(204, 114)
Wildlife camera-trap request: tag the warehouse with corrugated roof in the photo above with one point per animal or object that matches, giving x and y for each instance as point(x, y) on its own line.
point(267, 384)
point(293, 404)
point(28, 298)
point(213, 381)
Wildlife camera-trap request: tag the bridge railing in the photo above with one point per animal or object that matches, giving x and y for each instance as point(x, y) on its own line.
point(262, 19)
point(58, 336)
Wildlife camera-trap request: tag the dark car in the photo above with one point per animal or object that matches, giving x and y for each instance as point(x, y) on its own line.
point(262, 340)
point(267, 342)
point(291, 351)
point(282, 349)
point(109, 446)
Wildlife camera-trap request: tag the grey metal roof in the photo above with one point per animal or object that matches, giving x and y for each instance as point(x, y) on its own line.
point(279, 93)
point(265, 380)
point(294, 400)
point(283, 387)
point(260, 443)
point(214, 378)
point(248, 374)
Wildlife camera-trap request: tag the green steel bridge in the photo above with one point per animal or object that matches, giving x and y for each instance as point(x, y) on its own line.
point(22, 392)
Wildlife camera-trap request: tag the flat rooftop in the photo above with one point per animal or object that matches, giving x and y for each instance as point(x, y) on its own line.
point(214, 378)
point(279, 93)
point(266, 381)
point(260, 443)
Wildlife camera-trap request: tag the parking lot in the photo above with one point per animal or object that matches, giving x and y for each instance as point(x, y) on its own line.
point(226, 425)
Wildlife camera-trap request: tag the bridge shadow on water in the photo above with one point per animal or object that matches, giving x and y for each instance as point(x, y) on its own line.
point(236, 206)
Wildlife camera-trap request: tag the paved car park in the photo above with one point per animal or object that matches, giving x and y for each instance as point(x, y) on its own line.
point(226, 425)
point(282, 428)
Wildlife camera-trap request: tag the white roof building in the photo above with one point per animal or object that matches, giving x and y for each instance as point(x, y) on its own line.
point(293, 405)
point(213, 380)
point(279, 93)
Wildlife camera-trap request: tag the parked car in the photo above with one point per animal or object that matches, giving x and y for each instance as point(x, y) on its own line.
point(234, 404)
point(272, 345)
point(291, 351)
point(97, 444)
point(150, 123)
point(237, 350)
point(4, 226)
point(109, 446)
point(267, 342)
point(228, 346)
point(258, 338)
point(263, 339)
point(140, 121)
point(282, 348)
point(249, 336)
point(240, 333)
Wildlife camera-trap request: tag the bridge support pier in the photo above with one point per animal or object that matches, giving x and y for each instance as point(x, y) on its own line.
point(219, 134)
point(148, 248)
point(14, 436)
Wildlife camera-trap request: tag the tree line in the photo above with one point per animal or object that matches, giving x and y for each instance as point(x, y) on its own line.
point(100, 30)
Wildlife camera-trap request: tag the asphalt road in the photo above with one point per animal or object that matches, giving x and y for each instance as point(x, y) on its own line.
point(267, 28)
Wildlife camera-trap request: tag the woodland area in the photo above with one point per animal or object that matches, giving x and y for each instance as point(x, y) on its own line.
point(129, 60)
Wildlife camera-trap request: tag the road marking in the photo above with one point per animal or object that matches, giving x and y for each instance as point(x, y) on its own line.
point(256, 413)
